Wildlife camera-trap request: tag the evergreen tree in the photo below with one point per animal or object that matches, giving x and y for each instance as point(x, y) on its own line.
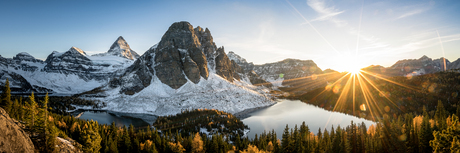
point(447, 140)
point(51, 137)
point(286, 142)
point(440, 116)
point(90, 137)
point(47, 131)
point(425, 134)
point(214, 146)
point(32, 111)
point(337, 141)
point(6, 102)
point(458, 111)
point(125, 141)
point(197, 144)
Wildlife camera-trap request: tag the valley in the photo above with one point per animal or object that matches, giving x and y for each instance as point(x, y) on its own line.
point(187, 94)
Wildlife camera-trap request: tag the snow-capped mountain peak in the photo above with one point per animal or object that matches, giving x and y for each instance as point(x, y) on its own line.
point(121, 48)
point(78, 50)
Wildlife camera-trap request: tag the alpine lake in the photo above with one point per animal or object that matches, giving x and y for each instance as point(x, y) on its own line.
point(284, 112)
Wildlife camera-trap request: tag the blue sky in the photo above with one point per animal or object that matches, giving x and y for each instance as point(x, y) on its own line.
point(334, 33)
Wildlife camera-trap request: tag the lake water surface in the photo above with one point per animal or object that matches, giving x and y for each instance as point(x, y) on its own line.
point(294, 112)
point(275, 117)
point(105, 117)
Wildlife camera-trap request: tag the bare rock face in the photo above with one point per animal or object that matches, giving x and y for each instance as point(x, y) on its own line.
point(244, 69)
point(178, 53)
point(224, 65)
point(454, 65)
point(72, 61)
point(183, 54)
point(12, 137)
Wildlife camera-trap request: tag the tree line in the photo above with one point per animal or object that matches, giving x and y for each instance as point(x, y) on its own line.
point(410, 132)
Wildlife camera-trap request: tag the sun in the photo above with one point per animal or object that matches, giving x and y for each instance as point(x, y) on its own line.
point(347, 63)
point(354, 69)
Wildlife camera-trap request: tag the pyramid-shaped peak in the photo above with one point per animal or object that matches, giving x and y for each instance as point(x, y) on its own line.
point(120, 38)
point(120, 43)
point(121, 48)
point(75, 49)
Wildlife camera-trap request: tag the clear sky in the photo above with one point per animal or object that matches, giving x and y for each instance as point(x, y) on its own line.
point(332, 33)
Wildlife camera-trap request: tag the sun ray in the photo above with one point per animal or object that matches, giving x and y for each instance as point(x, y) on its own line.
point(412, 88)
point(373, 85)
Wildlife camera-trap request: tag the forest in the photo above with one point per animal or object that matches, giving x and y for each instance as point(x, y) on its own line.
point(394, 96)
point(437, 130)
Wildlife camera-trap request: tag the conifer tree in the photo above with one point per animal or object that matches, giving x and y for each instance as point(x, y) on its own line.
point(440, 116)
point(197, 144)
point(32, 111)
point(286, 142)
point(447, 139)
point(51, 138)
point(90, 137)
point(458, 111)
point(6, 102)
point(425, 134)
point(337, 141)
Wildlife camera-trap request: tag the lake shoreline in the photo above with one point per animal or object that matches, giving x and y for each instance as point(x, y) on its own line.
point(245, 113)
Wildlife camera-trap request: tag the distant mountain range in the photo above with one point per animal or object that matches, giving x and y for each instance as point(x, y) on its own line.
point(185, 70)
point(414, 67)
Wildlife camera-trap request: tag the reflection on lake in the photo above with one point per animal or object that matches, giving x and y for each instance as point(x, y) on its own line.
point(104, 117)
point(294, 112)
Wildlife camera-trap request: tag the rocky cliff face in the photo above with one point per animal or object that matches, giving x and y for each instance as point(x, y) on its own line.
point(12, 137)
point(72, 61)
point(454, 65)
point(72, 71)
point(22, 62)
point(183, 54)
point(277, 72)
point(243, 69)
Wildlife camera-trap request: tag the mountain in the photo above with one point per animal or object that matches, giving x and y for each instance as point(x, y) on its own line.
point(454, 65)
point(276, 73)
point(120, 48)
point(412, 67)
point(185, 70)
point(244, 70)
point(69, 72)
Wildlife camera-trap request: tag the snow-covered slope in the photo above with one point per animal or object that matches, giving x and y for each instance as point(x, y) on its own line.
point(185, 70)
point(69, 72)
point(213, 93)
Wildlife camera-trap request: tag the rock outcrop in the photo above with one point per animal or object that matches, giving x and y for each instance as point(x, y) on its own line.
point(276, 72)
point(12, 137)
point(72, 71)
point(243, 69)
point(72, 61)
point(183, 54)
point(454, 65)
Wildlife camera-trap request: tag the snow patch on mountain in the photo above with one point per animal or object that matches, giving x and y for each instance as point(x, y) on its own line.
point(213, 93)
